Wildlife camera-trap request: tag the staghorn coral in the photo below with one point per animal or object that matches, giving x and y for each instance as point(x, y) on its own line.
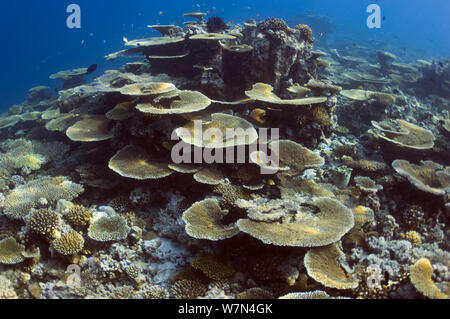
point(68, 243)
point(23, 198)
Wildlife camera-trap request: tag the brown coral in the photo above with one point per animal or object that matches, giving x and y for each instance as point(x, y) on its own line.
point(68, 243)
point(421, 277)
point(78, 216)
point(322, 264)
point(211, 267)
point(44, 222)
point(429, 176)
point(305, 229)
point(203, 221)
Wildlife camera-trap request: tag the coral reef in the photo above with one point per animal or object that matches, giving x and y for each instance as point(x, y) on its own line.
point(232, 161)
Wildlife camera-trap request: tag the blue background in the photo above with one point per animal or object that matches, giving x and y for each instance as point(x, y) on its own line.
point(37, 43)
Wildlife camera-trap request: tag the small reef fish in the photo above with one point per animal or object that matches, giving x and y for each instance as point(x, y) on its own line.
point(91, 69)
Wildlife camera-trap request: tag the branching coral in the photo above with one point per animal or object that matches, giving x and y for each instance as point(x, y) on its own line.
point(188, 289)
point(44, 222)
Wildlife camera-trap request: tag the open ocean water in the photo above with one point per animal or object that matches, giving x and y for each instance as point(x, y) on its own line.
point(37, 43)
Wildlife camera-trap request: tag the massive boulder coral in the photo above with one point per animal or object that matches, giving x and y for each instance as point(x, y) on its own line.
point(286, 51)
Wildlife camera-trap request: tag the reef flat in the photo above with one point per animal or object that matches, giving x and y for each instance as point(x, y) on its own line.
point(124, 186)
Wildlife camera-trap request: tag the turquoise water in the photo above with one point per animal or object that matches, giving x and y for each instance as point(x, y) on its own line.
point(37, 43)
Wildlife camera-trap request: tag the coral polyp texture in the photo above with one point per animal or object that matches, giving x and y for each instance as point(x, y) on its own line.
point(216, 159)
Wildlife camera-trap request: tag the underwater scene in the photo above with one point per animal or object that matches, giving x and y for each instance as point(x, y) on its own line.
point(250, 149)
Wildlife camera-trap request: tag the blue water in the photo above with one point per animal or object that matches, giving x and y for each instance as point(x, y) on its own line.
point(37, 43)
